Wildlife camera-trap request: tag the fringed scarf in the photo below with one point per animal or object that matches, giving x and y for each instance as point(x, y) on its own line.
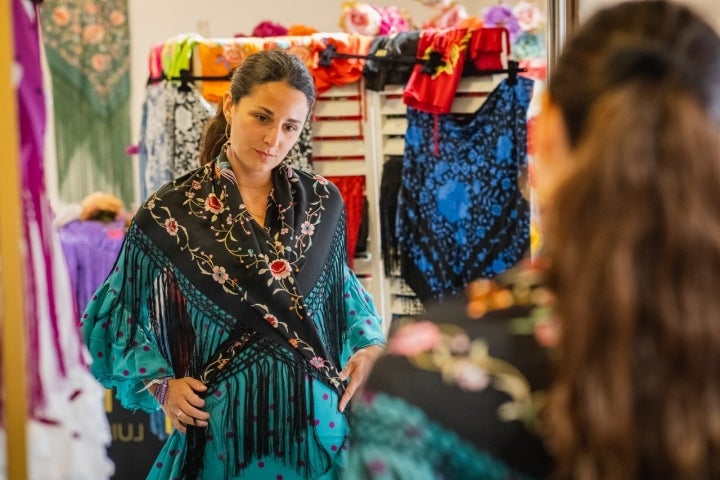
point(264, 283)
point(87, 44)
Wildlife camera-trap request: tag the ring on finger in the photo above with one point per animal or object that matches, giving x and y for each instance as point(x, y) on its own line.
point(179, 412)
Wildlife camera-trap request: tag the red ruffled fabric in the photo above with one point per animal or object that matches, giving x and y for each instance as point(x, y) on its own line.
point(352, 189)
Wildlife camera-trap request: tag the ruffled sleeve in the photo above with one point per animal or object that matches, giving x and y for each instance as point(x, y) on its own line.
point(118, 334)
point(364, 325)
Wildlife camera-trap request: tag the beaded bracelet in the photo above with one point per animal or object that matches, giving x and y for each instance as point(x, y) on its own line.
point(161, 390)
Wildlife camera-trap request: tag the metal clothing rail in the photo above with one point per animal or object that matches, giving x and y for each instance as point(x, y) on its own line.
point(430, 65)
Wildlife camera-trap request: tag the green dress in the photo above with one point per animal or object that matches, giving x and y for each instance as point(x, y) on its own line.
point(274, 415)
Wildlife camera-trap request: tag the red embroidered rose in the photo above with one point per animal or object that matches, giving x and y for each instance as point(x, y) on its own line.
point(271, 319)
point(280, 269)
point(213, 204)
point(171, 226)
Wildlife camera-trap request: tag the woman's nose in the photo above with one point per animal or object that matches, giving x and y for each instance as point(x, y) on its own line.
point(272, 136)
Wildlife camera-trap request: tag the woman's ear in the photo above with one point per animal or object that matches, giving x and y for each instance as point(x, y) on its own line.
point(227, 106)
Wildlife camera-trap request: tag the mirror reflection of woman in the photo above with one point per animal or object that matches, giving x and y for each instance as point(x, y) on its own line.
point(231, 306)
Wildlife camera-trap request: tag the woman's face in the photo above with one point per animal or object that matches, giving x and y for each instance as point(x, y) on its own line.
point(264, 126)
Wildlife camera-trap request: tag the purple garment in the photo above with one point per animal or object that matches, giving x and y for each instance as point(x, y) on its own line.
point(90, 249)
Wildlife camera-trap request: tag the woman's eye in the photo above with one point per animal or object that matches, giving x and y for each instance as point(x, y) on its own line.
point(290, 128)
point(261, 118)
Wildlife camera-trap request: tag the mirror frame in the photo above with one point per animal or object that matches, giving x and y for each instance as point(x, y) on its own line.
point(562, 20)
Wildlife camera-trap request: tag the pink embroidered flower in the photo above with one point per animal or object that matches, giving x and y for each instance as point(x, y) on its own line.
point(219, 274)
point(100, 62)
point(213, 204)
point(93, 34)
point(413, 339)
point(171, 226)
point(272, 320)
point(307, 228)
point(196, 185)
point(117, 18)
point(317, 362)
point(470, 377)
point(280, 268)
point(234, 54)
point(460, 344)
point(321, 180)
point(61, 16)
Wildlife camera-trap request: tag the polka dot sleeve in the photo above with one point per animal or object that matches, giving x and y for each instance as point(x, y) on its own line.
point(364, 324)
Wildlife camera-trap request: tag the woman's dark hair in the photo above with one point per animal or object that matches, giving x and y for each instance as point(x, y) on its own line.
point(633, 239)
point(257, 69)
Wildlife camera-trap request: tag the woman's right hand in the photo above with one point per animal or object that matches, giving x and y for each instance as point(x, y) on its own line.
point(183, 405)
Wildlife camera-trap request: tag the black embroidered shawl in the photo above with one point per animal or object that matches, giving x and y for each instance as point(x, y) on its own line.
point(262, 283)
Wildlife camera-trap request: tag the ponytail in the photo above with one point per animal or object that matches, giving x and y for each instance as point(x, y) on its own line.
point(214, 137)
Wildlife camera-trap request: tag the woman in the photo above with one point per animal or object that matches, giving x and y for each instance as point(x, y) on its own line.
point(474, 369)
point(231, 305)
point(629, 159)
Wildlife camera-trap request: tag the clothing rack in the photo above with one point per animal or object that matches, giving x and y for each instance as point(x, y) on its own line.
point(186, 77)
point(430, 64)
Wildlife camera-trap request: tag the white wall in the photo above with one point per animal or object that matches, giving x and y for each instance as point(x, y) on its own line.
point(710, 9)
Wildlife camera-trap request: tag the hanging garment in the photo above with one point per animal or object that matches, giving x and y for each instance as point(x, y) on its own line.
point(389, 191)
point(352, 189)
point(435, 92)
point(303, 160)
point(67, 429)
point(90, 249)
point(461, 213)
point(342, 71)
point(88, 52)
point(266, 315)
point(487, 46)
point(170, 132)
point(378, 73)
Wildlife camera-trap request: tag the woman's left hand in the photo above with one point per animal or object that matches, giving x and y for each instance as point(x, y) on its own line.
point(358, 368)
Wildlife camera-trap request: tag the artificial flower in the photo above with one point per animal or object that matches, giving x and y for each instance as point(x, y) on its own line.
point(502, 16)
point(393, 20)
point(301, 30)
point(450, 17)
point(269, 29)
point(360, 18)
point(529, 16)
